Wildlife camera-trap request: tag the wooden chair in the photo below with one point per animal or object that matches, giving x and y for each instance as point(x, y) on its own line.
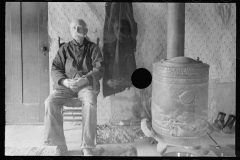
point(72, 110)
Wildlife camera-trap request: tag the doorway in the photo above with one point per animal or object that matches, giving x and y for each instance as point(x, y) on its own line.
point(26, 61)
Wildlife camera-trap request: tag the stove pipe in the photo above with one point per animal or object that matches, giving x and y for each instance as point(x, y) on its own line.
point(176, 30)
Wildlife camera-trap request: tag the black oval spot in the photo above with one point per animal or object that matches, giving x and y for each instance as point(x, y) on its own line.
point(141, 78)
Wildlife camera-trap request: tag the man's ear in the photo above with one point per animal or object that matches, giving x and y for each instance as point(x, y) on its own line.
point(86, 31)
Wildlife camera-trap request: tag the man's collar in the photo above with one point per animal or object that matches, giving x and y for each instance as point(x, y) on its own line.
point(77, 44)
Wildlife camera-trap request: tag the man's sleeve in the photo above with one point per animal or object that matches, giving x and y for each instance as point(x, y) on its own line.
point(58, 67)
point(98, 66)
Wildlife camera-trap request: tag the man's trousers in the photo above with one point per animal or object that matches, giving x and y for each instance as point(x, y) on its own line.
point(53, 121)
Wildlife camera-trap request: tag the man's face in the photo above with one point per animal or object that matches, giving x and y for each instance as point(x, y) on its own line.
point(78, 30)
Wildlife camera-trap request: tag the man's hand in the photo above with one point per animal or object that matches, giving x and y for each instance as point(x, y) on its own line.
point(78, 82)
point(68, 82)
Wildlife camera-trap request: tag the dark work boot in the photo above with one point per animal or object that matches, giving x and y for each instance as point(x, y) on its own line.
point(229, 124)
point(219, 122)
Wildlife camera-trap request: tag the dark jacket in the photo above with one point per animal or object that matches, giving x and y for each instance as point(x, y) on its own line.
point(74, 60)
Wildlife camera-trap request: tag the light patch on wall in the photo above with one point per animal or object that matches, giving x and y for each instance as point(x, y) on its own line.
point(206, 39)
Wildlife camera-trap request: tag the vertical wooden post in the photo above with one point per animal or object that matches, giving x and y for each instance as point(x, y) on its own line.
point(175, 30)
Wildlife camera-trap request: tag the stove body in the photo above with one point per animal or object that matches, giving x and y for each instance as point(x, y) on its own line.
point(179, 107)
point(180, 101)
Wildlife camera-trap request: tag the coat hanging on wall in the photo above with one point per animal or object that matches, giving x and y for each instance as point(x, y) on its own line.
point(120, 31)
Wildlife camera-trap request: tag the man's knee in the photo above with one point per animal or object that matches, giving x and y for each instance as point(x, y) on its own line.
point(48, 103)
point(88, 98)
point(90, 101)
point(51, 104)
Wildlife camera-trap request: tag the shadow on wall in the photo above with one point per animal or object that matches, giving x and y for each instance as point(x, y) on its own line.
point(94, 10)
point(142, 109)
point(193, 17)
point(141, 29)
point(224, 11)
point(162, 53)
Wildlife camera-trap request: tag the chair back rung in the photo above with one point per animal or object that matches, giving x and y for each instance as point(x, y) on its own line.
point(72, 115)
point(72, 120)
point(72, 110)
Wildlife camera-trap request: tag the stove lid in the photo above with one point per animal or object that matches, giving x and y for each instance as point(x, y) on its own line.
point(182, 62)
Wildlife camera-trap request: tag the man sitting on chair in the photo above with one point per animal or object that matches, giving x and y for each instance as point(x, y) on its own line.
point(76, 71)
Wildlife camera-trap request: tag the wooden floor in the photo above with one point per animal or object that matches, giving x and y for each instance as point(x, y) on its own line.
point(32, 136)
